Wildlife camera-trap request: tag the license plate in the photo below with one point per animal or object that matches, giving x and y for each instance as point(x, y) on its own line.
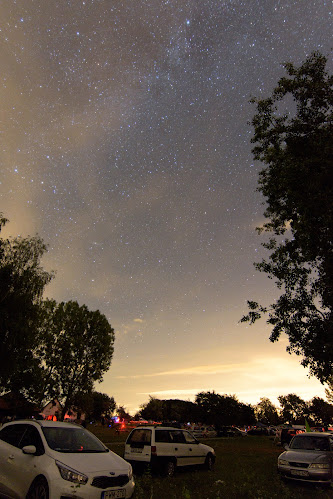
point(299, 473)
point(136, 450)
point(114, 494)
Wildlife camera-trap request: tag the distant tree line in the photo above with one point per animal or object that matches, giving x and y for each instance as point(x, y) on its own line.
point(47, 349)
point(224, 410)
point(294, 410)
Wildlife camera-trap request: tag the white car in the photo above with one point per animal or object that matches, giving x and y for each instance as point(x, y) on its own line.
point(52, 460)
point(165, 448)
point(203, 431)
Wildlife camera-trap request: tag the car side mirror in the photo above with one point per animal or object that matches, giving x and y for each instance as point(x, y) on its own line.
point(29, 449)
point(286, 447)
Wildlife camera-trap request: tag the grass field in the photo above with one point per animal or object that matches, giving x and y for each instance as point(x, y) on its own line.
point(244, 468)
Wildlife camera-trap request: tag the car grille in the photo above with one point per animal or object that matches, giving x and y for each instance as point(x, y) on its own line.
point(299, 465)
point(103, 482)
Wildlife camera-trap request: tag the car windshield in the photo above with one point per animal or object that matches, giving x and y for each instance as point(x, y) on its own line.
point(72, 440)
point(310, 443)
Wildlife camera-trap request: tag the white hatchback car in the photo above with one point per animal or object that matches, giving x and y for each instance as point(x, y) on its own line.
point(52, 460)
point(165, 448)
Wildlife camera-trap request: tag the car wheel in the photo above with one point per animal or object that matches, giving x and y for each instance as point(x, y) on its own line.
point(209, 462)
point(169, 468)
point(39, 489)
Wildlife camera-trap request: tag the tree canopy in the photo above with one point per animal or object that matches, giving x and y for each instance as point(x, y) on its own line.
point(294, 410)
point(266, 412)
point(169, 410)
point(293, 137)
point(47, 349)
point(22, 282)
point(220, 410)
point(95, 405)
point(75, 349)
point(329, 389)
point(320, 410)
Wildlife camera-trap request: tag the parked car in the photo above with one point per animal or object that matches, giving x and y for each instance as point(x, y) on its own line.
point(258, 430)
point(203, 431)
point(47, 459)
point(285, 435)
point(231, 431)
point(166, 448)
point(309, 458)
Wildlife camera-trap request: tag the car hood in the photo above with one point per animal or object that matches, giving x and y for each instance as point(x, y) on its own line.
point(93, 462)
point(306, 456)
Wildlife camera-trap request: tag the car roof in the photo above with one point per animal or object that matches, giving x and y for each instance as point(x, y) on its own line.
point(314, 434)
point(159, 427)
point(44, 423)
point(58, 424)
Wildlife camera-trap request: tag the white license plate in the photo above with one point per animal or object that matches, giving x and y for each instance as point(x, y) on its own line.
point(299, 473)
point(114, 494)
point(136, 450)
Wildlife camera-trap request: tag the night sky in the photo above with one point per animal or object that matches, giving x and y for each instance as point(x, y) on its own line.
point(125, 145)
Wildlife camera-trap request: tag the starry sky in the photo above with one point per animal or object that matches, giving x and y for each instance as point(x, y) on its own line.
point(125, 144)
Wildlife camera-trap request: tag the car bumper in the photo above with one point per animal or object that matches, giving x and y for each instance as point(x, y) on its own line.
point(315, 476)
point(65, 490)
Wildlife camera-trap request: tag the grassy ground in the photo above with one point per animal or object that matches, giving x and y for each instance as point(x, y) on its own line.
point(244, 468)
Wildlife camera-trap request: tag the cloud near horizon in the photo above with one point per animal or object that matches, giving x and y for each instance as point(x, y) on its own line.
point(209, 369)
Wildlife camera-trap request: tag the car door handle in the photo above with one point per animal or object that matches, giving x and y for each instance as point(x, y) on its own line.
point(11, 457)
point(176, 448)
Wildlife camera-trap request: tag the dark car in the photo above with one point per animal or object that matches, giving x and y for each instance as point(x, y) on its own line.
point(308, 458)
point(231, 431)
point(287, 435)
point(258, 430)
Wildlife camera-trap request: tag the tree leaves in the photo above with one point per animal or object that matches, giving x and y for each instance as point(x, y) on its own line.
point(46, 349)
point(297, 148)
point(75, 349)
point(22, 282)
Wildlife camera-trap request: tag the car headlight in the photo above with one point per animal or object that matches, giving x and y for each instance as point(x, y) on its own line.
point(71, 475)
point(320, 466)
point(283, 462)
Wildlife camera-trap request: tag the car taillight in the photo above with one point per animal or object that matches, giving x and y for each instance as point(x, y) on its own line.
point(153, 449)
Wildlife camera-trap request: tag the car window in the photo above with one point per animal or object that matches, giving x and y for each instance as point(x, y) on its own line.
point(12, 434)
point(177, 436)
point(310, 443)
point(162, 436)
point(140, 436)
point(189, 438)
point(31, 437)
